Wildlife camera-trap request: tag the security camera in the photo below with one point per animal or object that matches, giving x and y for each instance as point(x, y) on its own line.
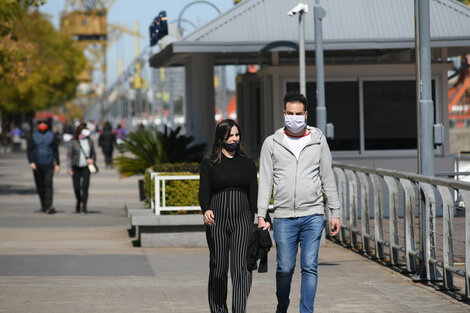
point(299, 8)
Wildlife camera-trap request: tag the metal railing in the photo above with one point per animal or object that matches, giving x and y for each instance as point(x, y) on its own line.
point(158, 197)
point(156, 190)
point(428, 221)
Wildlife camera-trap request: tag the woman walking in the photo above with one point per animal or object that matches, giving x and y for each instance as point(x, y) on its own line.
point(227, 195)
point(80, 153)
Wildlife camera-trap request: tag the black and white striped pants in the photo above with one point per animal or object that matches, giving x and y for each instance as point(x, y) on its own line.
point(231, 232)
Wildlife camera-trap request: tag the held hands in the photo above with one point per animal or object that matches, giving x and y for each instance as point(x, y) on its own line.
point(262, 223)
point(335, 226)
point(209, 218)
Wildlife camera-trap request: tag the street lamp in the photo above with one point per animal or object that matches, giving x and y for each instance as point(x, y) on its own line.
point(301, 9)
point(318, 14)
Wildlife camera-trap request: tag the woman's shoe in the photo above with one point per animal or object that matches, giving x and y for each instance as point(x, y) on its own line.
point(77, 208)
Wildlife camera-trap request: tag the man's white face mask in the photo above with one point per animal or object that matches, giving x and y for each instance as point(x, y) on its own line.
point(295, 123)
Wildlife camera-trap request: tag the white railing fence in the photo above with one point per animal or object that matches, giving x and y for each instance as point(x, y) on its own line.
point(410, 220)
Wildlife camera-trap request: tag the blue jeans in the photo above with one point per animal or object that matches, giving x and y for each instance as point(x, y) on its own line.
point(288, 233)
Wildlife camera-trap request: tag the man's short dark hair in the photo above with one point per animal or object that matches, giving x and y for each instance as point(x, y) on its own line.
point(295, 96)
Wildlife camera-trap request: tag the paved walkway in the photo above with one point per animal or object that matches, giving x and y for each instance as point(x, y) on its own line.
point(86, 263)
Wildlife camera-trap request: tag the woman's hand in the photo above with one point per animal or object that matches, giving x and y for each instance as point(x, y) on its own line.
point(209, 218)
point(90, 161)
point(70, 172)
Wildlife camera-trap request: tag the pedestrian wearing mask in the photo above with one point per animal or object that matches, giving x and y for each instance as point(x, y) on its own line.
point(42, 151)
point(227, 195)
point(80, 153)
point(296, 160)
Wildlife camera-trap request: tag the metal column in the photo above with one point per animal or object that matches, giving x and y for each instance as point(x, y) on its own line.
point(319, 14)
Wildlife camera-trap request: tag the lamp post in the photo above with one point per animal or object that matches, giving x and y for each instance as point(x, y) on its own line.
point(223, 72)
point(318, 14)
point(301, 9)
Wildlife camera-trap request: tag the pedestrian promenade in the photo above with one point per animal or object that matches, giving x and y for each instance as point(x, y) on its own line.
point(76, 263)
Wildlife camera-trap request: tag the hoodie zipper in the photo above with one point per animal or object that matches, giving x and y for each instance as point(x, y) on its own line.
point(295, 182)
point(295, 179)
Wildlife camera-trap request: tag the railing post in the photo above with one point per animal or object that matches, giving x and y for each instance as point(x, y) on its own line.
point(378, 215)
point(341, 183)
point(157, 195)
point(409, 224)
point(163, 193)
point(365, 212)
point(393, 218)
point(353, 206)
point(447, 231)
point(465, 194)
point(152, 201)
point(427, 270)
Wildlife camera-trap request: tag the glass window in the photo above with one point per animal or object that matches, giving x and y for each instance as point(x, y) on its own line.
point(342, 105)
point(390, 120)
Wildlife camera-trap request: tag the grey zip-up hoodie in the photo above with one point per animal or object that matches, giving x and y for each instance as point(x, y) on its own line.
point(298, 183)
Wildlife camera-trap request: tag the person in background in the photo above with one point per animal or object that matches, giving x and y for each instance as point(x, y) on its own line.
point(106, 142)
point(80, 153)
point(120, 135)
point(67, 133)
point(16, 133)
point(42, 151)
point(26, 128)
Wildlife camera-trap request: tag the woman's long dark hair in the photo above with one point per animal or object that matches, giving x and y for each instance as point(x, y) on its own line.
point(79, 129)
point(222, 132)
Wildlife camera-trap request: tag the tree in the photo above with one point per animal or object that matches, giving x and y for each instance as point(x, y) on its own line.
point(39, 65)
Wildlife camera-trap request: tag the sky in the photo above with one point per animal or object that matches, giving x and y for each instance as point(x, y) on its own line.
point(126, 12)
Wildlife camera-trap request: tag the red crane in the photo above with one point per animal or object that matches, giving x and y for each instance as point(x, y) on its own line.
point(459, 95)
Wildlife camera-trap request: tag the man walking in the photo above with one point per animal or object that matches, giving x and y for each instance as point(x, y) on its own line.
point(297, 160)
point(43, 150)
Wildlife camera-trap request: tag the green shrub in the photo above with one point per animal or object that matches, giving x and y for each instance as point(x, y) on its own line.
point(187, 167)
point(149, 146)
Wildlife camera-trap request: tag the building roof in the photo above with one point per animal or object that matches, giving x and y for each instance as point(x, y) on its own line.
point(258, 26)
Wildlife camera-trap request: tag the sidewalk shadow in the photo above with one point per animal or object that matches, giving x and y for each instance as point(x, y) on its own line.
point(327, 264)
point(16, 190)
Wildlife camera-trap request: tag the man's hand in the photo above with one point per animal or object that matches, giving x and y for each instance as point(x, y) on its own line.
point(262, 223)
point(209, 218)
point(33, 166)
point(335, 226)
point(57, 168)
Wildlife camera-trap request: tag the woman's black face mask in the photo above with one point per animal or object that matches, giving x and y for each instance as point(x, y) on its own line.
point(230, 147)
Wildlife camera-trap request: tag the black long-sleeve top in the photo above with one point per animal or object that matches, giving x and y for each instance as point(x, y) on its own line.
point(237, 172)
